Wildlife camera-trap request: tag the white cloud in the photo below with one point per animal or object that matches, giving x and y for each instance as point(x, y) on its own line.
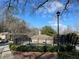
point(62, 27)
point(51, 7)
point(54, 6)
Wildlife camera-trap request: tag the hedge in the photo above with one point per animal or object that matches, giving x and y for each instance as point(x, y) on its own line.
point(24, 48)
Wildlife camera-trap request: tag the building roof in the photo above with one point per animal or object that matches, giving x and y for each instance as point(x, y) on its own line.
point(42, 37)
point(4, 33)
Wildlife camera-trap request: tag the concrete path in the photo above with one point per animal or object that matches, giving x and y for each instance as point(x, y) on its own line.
point(6, 53)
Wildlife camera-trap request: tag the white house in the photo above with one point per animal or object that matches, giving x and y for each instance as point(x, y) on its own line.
point(3, 35)
point(40, 38)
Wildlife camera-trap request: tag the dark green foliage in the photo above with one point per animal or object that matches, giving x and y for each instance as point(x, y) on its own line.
point(62, 48)
point(22, 48)
point(67, 42)
point(70, 48)
point(39, 48)
point(66, 48)
point(36, 49)
point(52, 48)
point(70, 38)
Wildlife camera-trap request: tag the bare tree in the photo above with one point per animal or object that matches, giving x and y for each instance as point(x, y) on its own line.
point(13, 6)
point(14, 25)
point(33, 31)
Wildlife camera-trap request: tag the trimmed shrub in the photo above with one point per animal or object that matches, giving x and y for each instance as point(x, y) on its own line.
point(22, 48)
point(52, 48)
point(40, 49)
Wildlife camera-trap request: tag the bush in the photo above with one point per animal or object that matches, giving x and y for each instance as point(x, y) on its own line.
point(22, 48)
point(46, 48)
point(52, 48)
point(69, 48)
point(31, 48)
point(12, 46)
point(62, 48)
point(55, 48)
point(39, 49)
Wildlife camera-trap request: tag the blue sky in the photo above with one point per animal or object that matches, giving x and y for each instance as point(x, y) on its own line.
point(48, 17)
point(37, 20)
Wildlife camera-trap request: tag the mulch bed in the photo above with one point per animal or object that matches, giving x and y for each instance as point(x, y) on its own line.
point(35, 55)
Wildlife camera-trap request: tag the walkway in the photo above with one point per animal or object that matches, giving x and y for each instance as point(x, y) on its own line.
point(6, 53)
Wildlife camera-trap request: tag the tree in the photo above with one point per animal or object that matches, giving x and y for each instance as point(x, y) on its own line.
point(14, 25)
point(69, 38)
point(48, 30)
point(17, 27)
point(69, 29)
point(11, 6)
point(72, 38)
point(33, 31)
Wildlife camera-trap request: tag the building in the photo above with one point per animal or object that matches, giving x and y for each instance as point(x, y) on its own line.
point(17, 38)
point(40, 38)
point(4, 35)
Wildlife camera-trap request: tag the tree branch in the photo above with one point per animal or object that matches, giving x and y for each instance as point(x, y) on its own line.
point(66, 5)
point(9, 4)
point(41, 4)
